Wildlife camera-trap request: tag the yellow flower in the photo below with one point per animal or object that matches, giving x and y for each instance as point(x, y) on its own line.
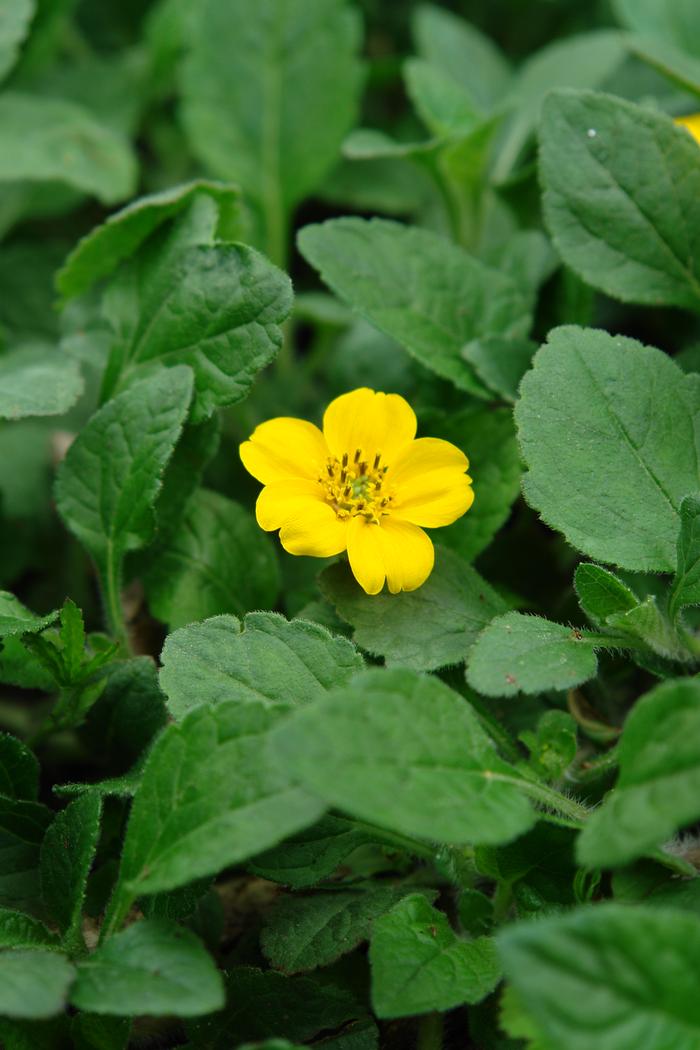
point(691, 123)
point(365, 484)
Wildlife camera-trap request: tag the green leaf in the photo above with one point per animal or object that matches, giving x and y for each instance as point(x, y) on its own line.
point(91, 1032)
point(625, 238)
point(218, 561)
point(128, 714)
point(432, 627)
point(151, 968)
point(108, 482)
point(610, 976)
point(302, 933)
point(32, 383)
point(686, 585)
point(487, 437)
point(33, 984)
point(67, 853)
point(673, 62)
point(674, 21)
point(441, 103)
point(519, 653)
point(553, 745)
point(265, 658)
point(293, 80)
point(419, 964)
point(215, 307)
point(79, 151)
point(406, 753)
point(208, 798)
point(18, 930)
point(313, 854)
point(14, 26)
point(16, 619)
point(196, 448)
point(658, 790)
point(34, 1035)
point(418, 288)
point(583, 61)
point(463, 53)
point(98, 254)
point(19, 769)
point(266, 1005)
point(615, 484)
point(650, 625)
point(22, 827)
point(72, 638)
point(602, 594)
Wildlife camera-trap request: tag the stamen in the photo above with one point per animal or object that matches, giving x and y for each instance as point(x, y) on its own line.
point(345, 459)
point(376, 460)
point(358, 453)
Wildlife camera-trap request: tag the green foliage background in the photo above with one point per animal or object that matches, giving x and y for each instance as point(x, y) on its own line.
point(243, 804)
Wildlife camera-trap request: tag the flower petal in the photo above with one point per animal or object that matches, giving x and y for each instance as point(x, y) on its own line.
point(282, 501)
point(284, 448)
point(314, 530)
point(371, 421)
point(409, 555)
point(430, 485)
point(366, 554)
point(394, 550)
point(691, 123)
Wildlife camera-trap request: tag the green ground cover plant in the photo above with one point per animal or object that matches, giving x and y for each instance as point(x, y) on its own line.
point(424, 769)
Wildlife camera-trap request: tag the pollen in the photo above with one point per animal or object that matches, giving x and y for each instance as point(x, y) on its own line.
point(356, 485)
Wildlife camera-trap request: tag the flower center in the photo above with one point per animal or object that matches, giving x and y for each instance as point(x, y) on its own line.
point(356, 485)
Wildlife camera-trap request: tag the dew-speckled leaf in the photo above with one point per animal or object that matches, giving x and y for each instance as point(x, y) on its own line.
point(622, 197)
point(52, 140)
point(264, 658)
point(617, 977)
point(152, 968)
point(108, 482)
point(419, 964)
point(434, 626)
point(209, 798)
point(218, 561)
point(405, 752)
point(518, 653)
point(658, 790)
point(608, 430)
point(419, 288)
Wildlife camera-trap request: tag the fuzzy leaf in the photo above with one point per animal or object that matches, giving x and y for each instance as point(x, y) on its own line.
point(19, 769)
point(16, 619)
point(420, 289)
point(313, 854)
point(208, 799)
point(419, 964)
point(107, 484)
point(264, 658)
point(18, 930)
point(617, 177)
point(150, 968)
point(615, 484)
point(406, 753)
point(67, 853)
point(33, 984)
point(601, 594)
point(658, 790)
point(22, 828)
point(527, 654)
point(686, 586)
point(432, 627)
point(218, 561)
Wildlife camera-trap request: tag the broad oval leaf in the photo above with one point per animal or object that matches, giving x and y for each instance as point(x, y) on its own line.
point(406, 753)
point(264, 658)
point(38, 382)
point(34, 984)
point(608, 430)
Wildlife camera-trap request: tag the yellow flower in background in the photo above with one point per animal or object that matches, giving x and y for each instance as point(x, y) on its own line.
point(365, 484)
point(692, 123)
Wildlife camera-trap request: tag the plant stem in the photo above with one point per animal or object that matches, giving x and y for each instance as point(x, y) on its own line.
point(586, 772)
point(568, 807)
point(430, 1032)
point(394, 838)
point(111, 586)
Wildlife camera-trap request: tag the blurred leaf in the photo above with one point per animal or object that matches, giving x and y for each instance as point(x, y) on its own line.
point(33, 983)
point(406, 753)
point(18, 930)
point(15, 18)
point(19, 769)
